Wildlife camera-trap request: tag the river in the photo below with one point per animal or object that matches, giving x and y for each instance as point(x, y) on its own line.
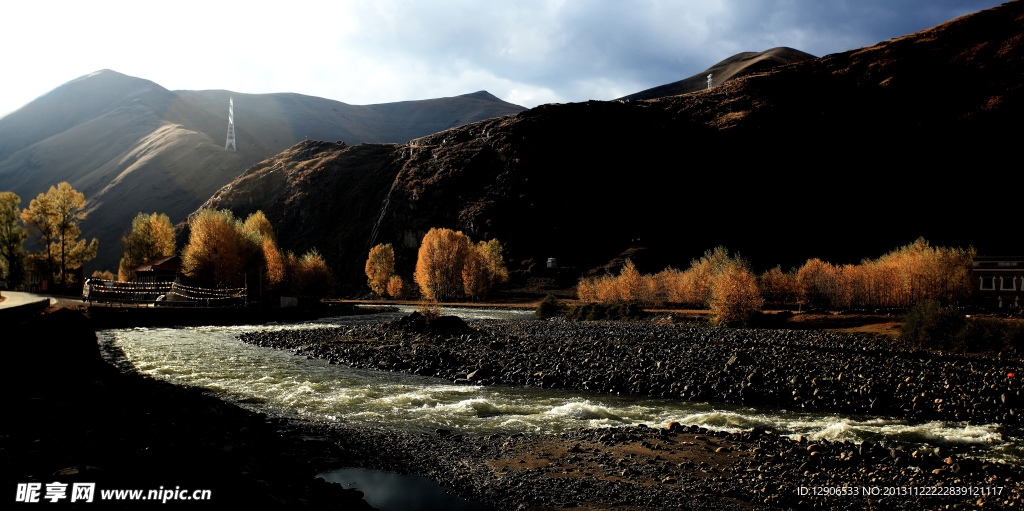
point(280, 383)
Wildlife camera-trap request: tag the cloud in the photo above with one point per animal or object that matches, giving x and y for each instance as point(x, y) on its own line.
point(360, 52)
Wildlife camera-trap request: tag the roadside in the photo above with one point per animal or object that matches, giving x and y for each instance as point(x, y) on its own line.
point(81, 420)
point(16, 306)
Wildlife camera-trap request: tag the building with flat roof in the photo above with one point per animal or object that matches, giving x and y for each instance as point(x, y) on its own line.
point(998, 281)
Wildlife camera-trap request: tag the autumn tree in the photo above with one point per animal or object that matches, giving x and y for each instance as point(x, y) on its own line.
point(476, 280)
point(397, 288)
point(12, 238)
point(222, 249)
point(632, 287)
point(484, 269)
point(312, 277)
point(213, 253)
point(493, 257)
point(55, 216)
point(439, 264)
point(258, 225)
point(228, 251)
point(734, 297)
point(778, 287)
point(151, 236)
point(380, 266)
point(276, 265)
point(702, 270)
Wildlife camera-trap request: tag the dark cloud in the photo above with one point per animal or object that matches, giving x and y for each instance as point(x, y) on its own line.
point(579, 49)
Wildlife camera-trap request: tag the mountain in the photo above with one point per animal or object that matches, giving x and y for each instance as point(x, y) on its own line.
point(133, 146)
point(739, 65)
point(842, 157)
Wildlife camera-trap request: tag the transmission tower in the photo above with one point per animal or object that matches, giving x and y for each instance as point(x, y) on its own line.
point(231, 126)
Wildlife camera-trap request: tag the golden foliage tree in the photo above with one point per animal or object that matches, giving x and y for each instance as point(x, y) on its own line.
point(439, 264)
point(397, 288)
point(718, 280)
point(380, 266)
point(12, 239)
point(702, 271)
point(55, 216)
point(225, 250)
point(734, 297)
point(277, 265)
point(259, 226)
point(312, 276)
point(476, 279)
point(778, 287)
point(900, 278)
point(151, 236)
point(493, 257)
point(631, 285)
point(213, 252)
point(484, 268)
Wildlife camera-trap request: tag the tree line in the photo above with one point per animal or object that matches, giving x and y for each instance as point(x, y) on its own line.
point(449, 266)
point(226, 251)
point(54, 217)
point(221, 250)
point(725, 283)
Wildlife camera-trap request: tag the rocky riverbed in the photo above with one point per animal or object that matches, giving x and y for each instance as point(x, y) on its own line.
point(75, 418)
point(797, 370)
point(688, 467)
point(684, 466)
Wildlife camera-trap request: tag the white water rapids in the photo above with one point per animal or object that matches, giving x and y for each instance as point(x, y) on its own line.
point(278, 382)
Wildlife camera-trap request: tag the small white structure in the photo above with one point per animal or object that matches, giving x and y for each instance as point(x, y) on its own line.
point(710, 81)
point(231, 126)
point(552, 262)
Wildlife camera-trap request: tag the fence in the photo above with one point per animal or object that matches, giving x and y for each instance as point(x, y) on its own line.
point(164, 293)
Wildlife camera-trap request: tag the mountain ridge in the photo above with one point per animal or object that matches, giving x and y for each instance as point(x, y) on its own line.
point(132, 146)
point(843, 157)
point(736, 66)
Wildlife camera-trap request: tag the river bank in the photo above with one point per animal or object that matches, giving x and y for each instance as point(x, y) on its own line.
point(84, 420)
point(799, 370)
point(679, 467)
point(684, 468)
point(74, 418)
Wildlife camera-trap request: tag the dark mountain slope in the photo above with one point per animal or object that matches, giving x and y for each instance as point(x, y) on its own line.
point(842, 158)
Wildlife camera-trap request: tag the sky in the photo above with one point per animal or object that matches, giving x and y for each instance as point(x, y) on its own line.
point(364, 52)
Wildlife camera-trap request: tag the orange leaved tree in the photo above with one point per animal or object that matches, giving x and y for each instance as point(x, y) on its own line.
point(439, 263)
point(380, 266)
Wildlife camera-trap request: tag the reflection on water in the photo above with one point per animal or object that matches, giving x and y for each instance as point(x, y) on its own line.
point(388, 491)
point(281, 383)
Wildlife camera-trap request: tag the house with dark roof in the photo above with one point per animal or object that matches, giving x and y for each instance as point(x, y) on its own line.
point(161, 269)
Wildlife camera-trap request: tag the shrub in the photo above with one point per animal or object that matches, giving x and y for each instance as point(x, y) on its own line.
point(929, 325)
point(989, 334)
point(601, 311)
point(549, 307)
